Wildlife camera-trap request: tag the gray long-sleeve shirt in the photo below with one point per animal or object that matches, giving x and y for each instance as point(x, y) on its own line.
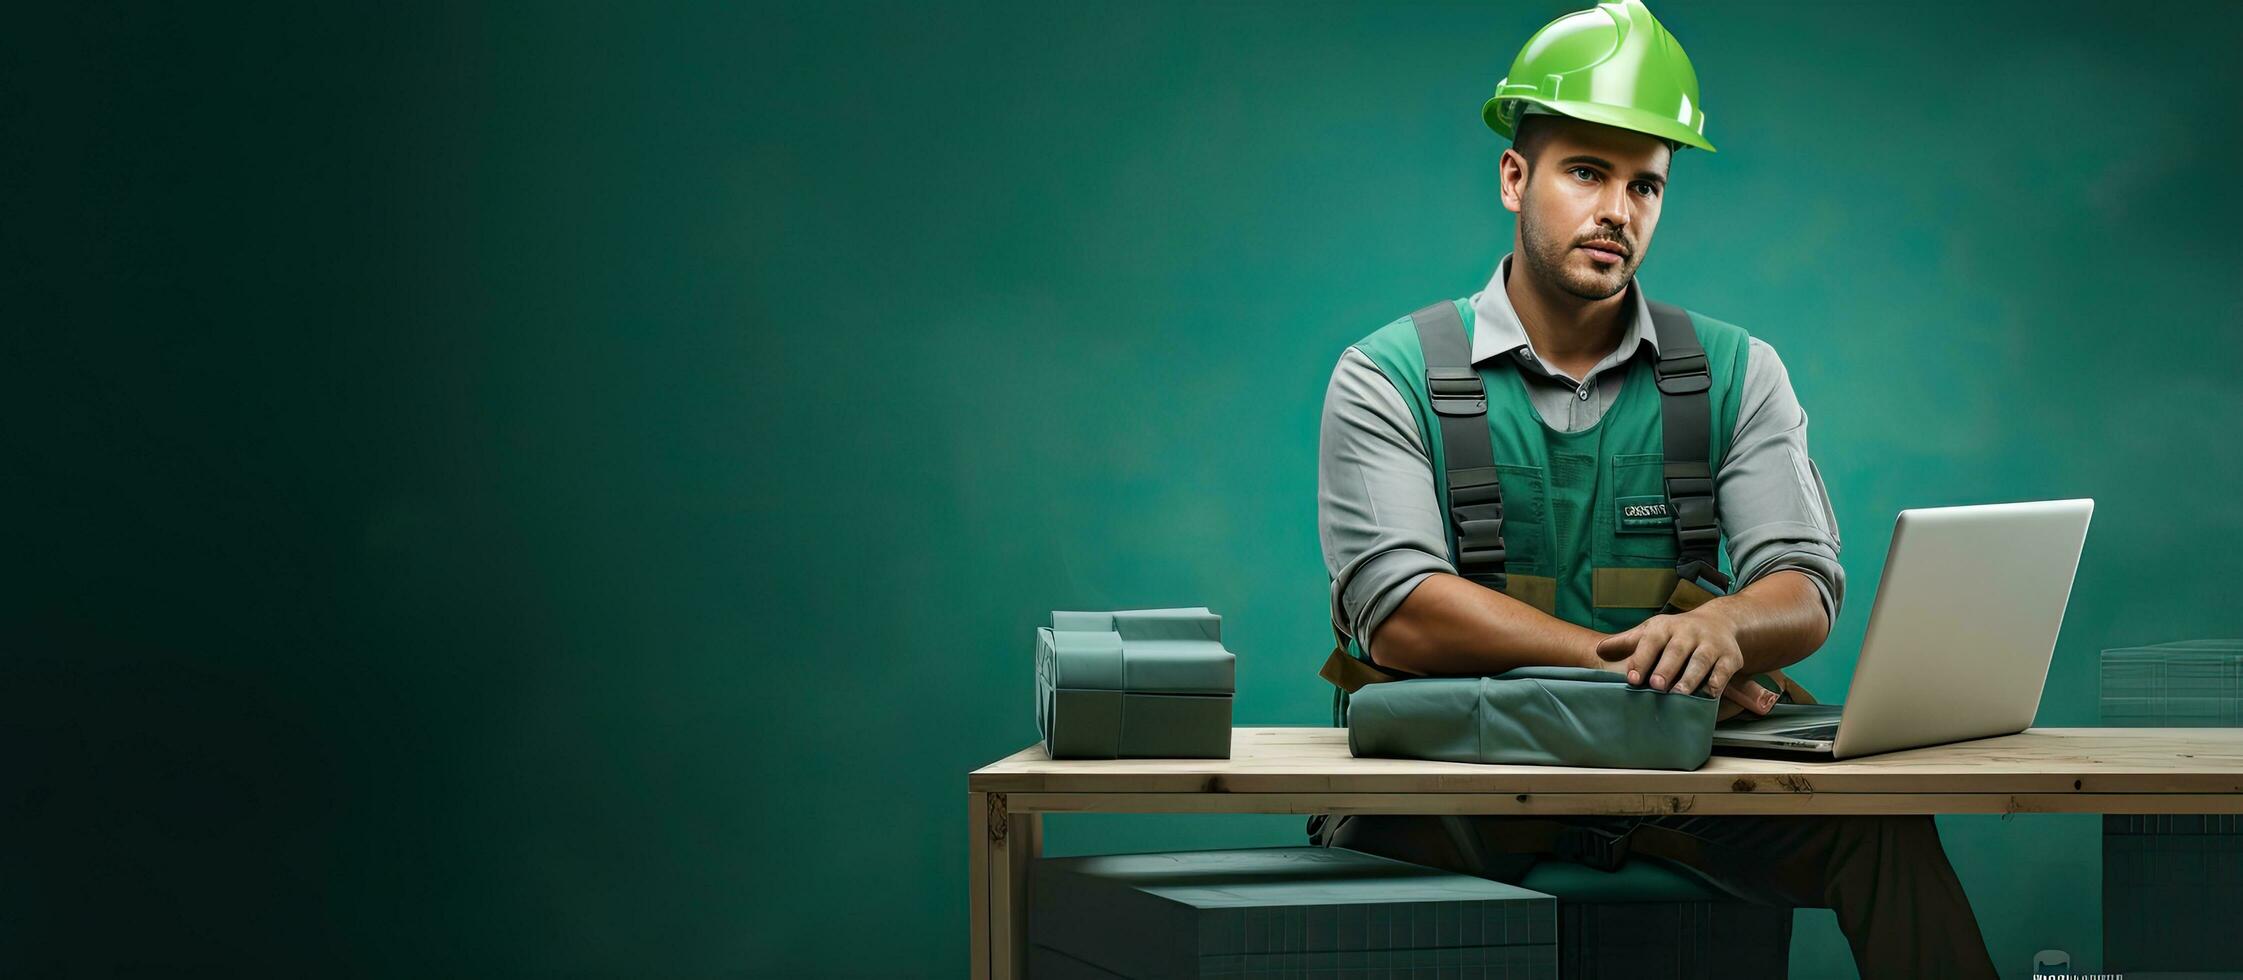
point(1382, 528)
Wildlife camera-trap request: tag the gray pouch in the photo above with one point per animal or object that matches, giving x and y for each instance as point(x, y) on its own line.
point(1543, 716)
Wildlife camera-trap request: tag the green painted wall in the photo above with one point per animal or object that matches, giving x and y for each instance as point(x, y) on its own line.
point(566, 489)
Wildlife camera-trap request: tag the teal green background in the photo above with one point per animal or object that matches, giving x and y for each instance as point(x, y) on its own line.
point(566, 489)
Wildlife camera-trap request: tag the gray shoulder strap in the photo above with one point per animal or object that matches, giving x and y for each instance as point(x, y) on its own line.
point(1686, 423)
point(1460, 403)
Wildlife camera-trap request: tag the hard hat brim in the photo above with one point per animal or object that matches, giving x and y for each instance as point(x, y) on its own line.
point(1620, 117)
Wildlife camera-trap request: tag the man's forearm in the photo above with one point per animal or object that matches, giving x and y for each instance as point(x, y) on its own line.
point(1449, 626)
point(1778, 620)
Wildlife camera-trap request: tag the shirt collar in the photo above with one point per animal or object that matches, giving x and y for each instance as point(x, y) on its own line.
point(1496, 330)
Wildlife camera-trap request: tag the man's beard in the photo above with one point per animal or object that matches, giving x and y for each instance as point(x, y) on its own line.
point(1546, 259)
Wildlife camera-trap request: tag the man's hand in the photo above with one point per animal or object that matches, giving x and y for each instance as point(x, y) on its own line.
point(1682, 653)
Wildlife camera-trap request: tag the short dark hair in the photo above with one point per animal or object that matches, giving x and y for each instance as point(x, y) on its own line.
point(1529, 135)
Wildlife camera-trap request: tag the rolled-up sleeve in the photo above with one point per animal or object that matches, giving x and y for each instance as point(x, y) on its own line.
point(1376, 514)
point(1774, 508)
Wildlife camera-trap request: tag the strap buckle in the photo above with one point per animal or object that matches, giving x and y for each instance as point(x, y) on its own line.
point(1695, 525)
point(1684, 374)
point(1491, 581)
point(1482, 561)
point(1480, 553)
point(1484, 534)
point(1476, 513)
point(1690, 489)
point(1456, 392)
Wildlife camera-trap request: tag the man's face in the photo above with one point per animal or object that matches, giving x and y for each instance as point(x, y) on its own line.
point(1587, 212)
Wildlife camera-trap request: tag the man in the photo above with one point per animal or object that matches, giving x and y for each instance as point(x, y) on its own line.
point(1586, 561)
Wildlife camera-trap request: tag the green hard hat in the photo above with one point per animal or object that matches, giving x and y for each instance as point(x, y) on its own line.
point(1614, 65)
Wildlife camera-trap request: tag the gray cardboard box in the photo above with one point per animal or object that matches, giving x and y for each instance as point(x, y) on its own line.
point(1655, 919)
point(2173, 883)
point(1673, 940)
point(1141, 683)
point(1282, 912)
point(2191, 684)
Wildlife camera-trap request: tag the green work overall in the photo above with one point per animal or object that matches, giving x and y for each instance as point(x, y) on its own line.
point(1586, 525)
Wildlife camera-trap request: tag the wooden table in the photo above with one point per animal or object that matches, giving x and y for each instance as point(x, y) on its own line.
point(1308, 770)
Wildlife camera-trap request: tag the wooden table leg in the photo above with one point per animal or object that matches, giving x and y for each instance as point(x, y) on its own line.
point(977, 884)
point(1023, 846)
point(1010, 842)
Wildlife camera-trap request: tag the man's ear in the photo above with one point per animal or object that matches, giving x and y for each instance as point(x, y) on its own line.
point(1510, 176)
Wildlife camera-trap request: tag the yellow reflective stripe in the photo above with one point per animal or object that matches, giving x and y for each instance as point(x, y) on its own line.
point(1689, 595)
point(1349, 674)
point(1632, 588)
point(1539, 591)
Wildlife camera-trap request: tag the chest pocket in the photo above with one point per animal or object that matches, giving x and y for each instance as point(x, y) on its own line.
point(1526, 519)
point(1635, 519)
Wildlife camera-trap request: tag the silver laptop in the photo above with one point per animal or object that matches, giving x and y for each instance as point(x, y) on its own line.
point(1959, 638)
